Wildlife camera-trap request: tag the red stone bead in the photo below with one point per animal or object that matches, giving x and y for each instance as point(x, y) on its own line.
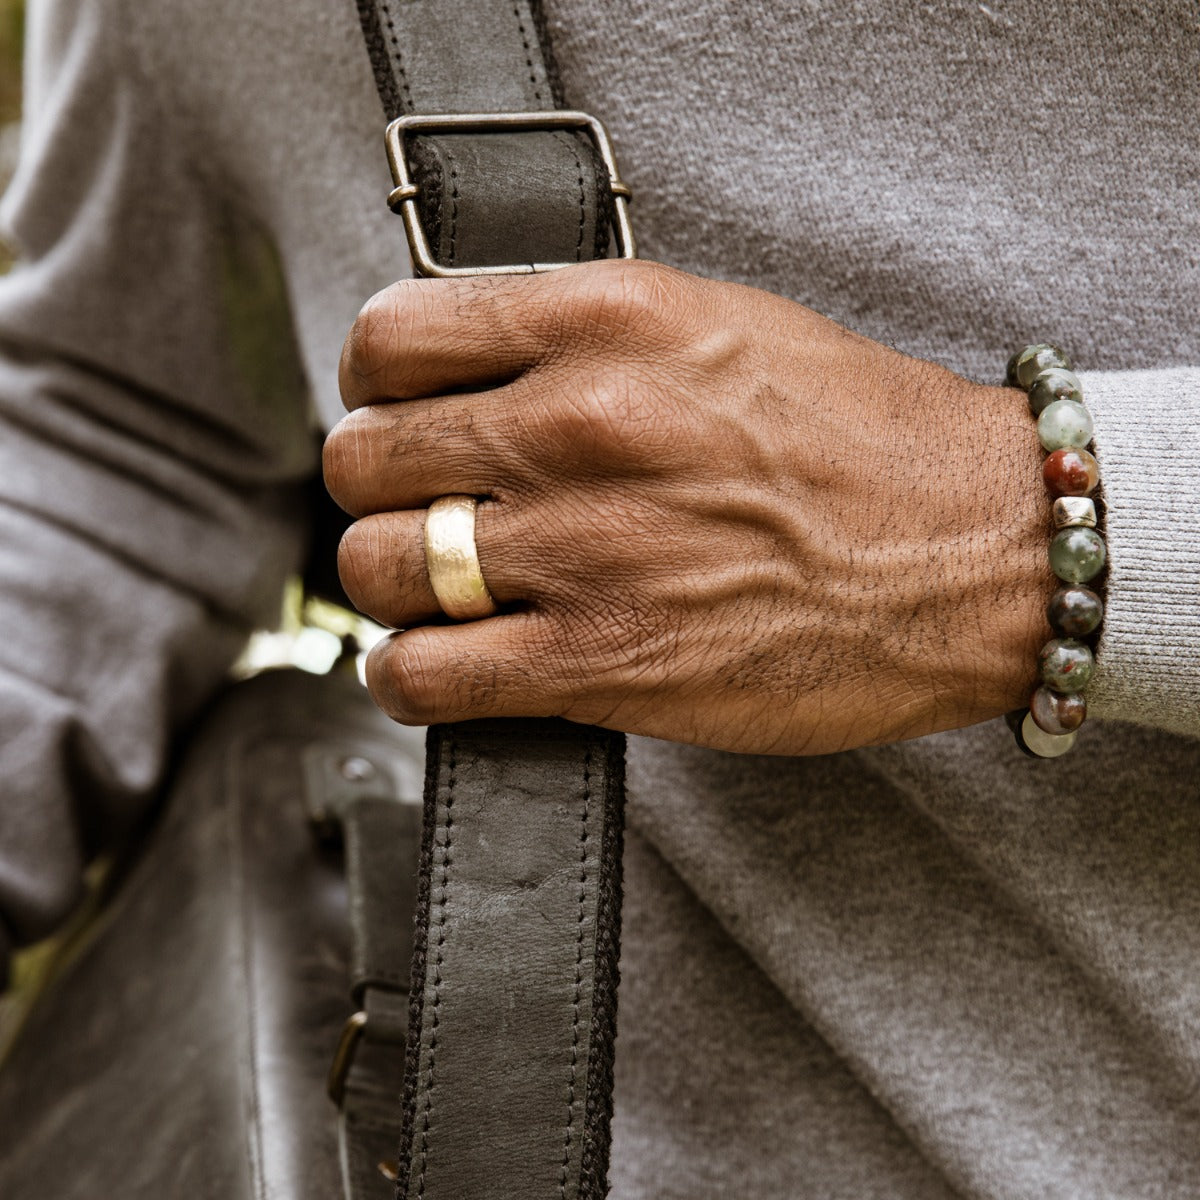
point(1056, 713)
point(1070, 472)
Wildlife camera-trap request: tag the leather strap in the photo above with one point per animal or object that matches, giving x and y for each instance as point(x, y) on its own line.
point(382, 840)
point(356, 797)
point(508, 1086)
point(508, 1081)
point(492, 198)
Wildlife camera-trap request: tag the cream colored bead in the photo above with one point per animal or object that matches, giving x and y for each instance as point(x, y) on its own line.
point(1071, 511)
point(1043, 744)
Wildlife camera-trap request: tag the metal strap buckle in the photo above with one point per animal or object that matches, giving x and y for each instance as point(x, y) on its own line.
point(403, 197)
point(343, 1058)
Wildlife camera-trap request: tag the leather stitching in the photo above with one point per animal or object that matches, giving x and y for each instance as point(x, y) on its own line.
point(579, 946)
point(582, 201)
point(602, 981)
point(537, 91)
point(397, 57)
point(427, 1112)
point(382, 67)
point(454, 194)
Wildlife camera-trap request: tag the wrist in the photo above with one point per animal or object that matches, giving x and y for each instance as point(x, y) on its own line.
point(999, 577)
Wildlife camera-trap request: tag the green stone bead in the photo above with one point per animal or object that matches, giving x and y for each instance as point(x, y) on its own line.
point(1055, 384)
point(1027, 364)
point(1077, 554)
point(1064, 423)
point(1065, 665)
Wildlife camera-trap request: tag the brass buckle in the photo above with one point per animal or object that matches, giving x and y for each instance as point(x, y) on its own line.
point(343, 1057)
point(403, 197)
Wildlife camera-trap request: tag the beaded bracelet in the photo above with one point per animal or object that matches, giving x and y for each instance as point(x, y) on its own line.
point(1047, 728)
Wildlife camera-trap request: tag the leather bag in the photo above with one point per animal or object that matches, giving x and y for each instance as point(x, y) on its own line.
point(184, 1048)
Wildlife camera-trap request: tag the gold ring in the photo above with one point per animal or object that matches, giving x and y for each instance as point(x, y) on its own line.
point(453, 561)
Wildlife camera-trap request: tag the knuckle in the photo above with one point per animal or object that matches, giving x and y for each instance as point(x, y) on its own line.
point(714, 349)
point(361, 351)
point(356, 567)
point(623, 297)
point(621, 644)
point(608, 420)
point(636, 293)
point(373, 350)
point(590, 417)
point(478, 691)
point(412, 679)
point(333, 466)
point(343, 459)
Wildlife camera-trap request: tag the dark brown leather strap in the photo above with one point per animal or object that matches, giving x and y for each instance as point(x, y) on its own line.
point(508, 1082)
point(509, 1077)
point(382, 839)
point(358, 800)
point(489, 198)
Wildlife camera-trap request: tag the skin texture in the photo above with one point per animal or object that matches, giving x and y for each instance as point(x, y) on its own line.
point(709, 514)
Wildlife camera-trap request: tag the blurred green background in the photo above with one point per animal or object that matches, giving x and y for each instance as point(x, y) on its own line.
point(12, 20)
point(12, 23)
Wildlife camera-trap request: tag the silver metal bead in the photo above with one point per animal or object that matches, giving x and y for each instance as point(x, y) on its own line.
point(1071, 511)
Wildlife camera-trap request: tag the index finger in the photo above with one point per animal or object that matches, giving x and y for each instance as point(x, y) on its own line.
point(426, 337)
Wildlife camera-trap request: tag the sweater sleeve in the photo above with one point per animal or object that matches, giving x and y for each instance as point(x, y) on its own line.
point(154, 431)
point(1148, 659)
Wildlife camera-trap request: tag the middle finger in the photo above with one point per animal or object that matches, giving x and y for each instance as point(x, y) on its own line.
point(388, 457)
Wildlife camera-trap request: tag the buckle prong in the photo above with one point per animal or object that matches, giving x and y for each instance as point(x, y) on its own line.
point(403, 197)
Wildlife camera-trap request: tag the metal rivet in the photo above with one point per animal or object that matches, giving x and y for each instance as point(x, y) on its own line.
point(356, 769)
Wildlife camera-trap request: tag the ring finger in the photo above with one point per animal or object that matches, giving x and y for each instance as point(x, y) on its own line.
point(381, 560)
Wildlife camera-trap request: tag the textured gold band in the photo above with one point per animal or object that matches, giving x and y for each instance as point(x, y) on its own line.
point(453, 561)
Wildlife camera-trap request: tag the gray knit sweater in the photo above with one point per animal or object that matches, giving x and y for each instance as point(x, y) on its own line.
point(928, 970)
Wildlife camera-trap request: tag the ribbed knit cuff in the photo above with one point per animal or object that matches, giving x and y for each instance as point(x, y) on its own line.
point(1148, 446)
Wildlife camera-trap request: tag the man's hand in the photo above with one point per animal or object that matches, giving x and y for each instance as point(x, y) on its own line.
point(708, 513)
